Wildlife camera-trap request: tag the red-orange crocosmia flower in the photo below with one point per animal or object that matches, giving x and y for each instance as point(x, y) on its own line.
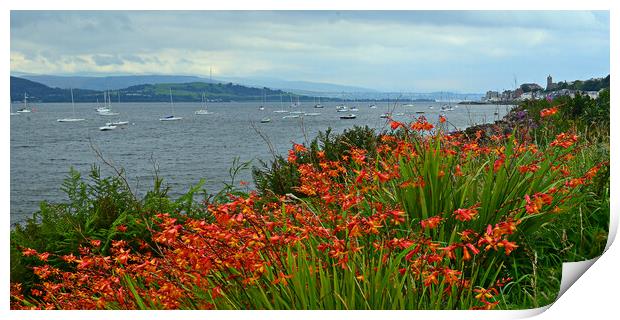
point(548, 112)
point(466, 214)
point(431, 222)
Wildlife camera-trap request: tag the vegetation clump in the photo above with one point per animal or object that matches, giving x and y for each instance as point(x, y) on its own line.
point(412, 218)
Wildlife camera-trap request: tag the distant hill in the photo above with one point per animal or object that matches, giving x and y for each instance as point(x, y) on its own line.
point(42, 93)
point(109, 82)
point(149, 92)
point(193, 92)
point(120, 82)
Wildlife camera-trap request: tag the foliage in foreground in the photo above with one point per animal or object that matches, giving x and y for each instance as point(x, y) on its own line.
point(428, 221)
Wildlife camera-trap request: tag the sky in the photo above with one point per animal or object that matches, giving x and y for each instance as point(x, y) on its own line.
point(411, 51)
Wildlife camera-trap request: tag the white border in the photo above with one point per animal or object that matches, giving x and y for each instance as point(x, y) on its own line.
point(593, 296)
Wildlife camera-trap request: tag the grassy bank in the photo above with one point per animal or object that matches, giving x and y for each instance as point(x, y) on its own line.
point(412, 218)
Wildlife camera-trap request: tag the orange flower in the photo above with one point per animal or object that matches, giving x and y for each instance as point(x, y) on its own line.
point(43, 256)
point(548, 112)
point(216, 292)
point(382, 177)
point(499, 162)
point(483, 294)
point(534, 205)
point(529, 168)
point(431, 278)
point(431, 222)
point(457, 171)
point(442, 119)
point(564, 140)
point(358, 156)
point(282, 278)
point(299, 147)
point(292, 157)
point(29, 252)
point(395, 125)
point(466, 214)
point(508, 246)
point(421, 125)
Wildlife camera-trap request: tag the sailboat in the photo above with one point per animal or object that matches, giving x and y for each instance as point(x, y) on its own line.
point(117, 123)
point(74, 119)
point(171, 117)
point(388, 114)
point(319, 105)
point(298, 104)
point(281, 109)
point(262, 106)
point(354, 108)
point(107, 104)
point(203, 111)
point(25, 108)
point(103, 108)
point(342, 107)
point(410, 104)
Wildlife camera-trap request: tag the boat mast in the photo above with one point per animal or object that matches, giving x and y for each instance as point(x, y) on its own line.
point(171, 103)
point(72, 103)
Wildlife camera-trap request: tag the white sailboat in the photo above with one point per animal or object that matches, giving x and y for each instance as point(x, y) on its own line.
point(74, 119)
point(290, 116)
point(25, 108)
point(171, 117)
point(262, 106)
point(410, 104)
point(281, 109)
point(298, 105)
point(106, 110)
point(103, 108)
point(342, 107)
point(203, 111)
point(319, 105)
point(117, 123)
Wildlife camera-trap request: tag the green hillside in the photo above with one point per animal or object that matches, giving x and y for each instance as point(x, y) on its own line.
point(193, 92)
point(181, 92)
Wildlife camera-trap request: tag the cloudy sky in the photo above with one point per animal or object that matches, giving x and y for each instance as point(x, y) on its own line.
point(420, 51)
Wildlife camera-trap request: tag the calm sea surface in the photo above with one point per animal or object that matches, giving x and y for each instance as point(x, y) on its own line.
point(199, 146)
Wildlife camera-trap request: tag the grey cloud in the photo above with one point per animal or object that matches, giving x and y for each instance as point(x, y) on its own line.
point(106, 60)
point(132, 58)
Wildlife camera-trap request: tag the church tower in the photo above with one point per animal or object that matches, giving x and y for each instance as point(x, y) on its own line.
point(549, 82)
